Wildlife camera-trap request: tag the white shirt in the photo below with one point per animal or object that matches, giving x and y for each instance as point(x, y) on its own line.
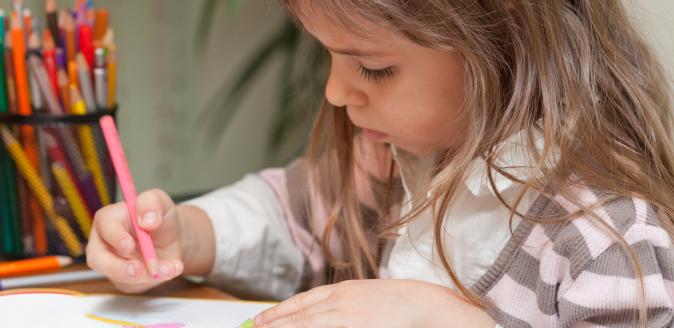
point(256, 255)
point(476, 226)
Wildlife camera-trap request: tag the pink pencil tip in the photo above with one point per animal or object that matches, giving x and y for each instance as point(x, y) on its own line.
point(153, 268)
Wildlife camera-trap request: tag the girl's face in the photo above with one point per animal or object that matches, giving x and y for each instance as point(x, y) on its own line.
point(396, 91)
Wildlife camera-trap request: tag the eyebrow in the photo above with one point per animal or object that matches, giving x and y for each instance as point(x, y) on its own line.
point(356, 52)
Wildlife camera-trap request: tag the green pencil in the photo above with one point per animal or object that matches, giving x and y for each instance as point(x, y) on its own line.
point(9, 211)
point(247, 324)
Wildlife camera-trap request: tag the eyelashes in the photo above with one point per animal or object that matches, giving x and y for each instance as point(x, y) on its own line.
point(375, 75)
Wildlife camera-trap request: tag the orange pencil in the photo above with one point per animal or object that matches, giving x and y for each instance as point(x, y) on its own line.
point(70, 37)
point(72, 73)
point(27, 132)
point(100, 25)
point(19, 56)
point(31, 266)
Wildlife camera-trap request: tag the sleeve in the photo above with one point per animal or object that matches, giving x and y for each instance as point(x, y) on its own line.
point(605, 291)
point(255, 255)
point(266, 244)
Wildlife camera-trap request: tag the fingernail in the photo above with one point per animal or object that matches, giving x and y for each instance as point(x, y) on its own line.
point(178, 266)
point(127, 245)
point(257, 320)
point(149, 219)
point(164, 269)
point(131, 270)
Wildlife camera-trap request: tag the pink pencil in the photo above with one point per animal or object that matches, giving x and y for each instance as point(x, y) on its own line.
point(129, 191)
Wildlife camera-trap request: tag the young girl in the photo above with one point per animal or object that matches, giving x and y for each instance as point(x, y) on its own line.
point(491, 163)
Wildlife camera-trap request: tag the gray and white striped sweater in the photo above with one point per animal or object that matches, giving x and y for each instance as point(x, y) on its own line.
point(575, 274)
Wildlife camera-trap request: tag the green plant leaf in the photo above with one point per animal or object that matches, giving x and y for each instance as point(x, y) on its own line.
point(224, 104)
point(204, 25)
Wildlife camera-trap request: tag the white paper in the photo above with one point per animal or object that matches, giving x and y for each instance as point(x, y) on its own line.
point(58, 310)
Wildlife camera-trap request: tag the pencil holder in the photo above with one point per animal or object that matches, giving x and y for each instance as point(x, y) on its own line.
point(55, 174)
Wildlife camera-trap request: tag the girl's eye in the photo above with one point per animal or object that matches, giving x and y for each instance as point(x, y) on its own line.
point(375, 75)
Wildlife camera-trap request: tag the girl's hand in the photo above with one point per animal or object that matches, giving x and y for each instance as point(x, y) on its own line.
point(375, 303)
point(113, 251)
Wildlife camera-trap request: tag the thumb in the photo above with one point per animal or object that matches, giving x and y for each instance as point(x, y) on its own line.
point(152, 208)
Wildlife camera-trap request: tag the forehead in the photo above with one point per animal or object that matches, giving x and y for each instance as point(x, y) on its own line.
point(347, 28)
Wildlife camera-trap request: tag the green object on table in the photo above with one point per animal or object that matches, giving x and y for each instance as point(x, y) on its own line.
point(247, 324)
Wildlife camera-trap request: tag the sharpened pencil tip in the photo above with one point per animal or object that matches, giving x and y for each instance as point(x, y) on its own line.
point(153, 267)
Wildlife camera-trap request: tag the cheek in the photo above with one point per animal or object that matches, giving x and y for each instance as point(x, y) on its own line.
point(429, 116)
point(427, 120)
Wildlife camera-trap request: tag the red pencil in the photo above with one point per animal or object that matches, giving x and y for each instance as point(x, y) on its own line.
point(49, 55)
point(87, 43)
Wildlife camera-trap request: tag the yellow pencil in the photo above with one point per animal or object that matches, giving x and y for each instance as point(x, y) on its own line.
point(40, 191)
point(88, 147)
point(76, 203)
point(109, 44)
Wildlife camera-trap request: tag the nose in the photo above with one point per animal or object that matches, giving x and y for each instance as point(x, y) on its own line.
point(342, 92)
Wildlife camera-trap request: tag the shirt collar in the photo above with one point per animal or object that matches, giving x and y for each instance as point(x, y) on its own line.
point(515, 159)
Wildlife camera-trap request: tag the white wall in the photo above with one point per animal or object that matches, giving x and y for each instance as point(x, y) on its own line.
point(655, 17)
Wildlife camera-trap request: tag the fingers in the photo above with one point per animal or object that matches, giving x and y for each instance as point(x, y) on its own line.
point(130, 271)
point(295, 304)
point(322, 319)
point(111, 224)
point(168, 270)
point(152, 206)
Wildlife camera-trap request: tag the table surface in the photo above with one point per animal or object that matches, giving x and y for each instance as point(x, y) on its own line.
point(179, 287)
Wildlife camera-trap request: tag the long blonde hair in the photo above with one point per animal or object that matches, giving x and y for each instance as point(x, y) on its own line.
point(576, 71)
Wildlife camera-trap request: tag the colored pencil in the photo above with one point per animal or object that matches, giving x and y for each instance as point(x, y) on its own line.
point(67, 185)
point(86, 182)
point(100, 25)
point(50, 279)
point(28, 136)
point(63, 64)
point(108, 43)
point(101, 79)
point(32, 266)
point(52, 20)
point(40, 191)
point(9, 211)
point(87, 43)
point(49, 55)
point(129, 192)
point(84, 77)
point(64, 90)
point(88, 145)
point(70, 42)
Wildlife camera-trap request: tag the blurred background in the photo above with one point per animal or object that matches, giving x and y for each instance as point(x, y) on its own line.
point(179, 58)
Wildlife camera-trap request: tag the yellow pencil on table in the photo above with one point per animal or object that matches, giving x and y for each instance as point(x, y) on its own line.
point(41, 193)
point(88, 146)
